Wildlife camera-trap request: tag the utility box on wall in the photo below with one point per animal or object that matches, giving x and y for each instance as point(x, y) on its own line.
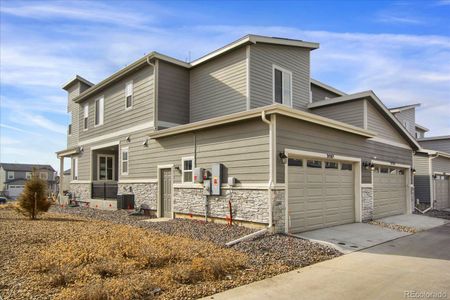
point(198, 175)
point(216, 179)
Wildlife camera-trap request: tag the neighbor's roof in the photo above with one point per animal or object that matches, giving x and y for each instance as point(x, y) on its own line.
point(434, 138)
point(257, 112)
point(423, 128)
point(248, 39)
point(327, 87)
point(369, 95)
point(24, 167)
point(434, 152)
point(402, 108)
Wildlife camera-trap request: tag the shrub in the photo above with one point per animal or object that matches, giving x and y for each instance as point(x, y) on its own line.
point(33, 200)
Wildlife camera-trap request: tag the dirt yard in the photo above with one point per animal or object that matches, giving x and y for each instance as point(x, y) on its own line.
point(88, 254)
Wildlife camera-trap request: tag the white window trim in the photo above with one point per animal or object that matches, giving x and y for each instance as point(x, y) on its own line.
point(28, 175)
point(124, 149)
point(113, 167)
point(273, 83)
point(132, 94)
point(183, 159)
point(69, 132)
point(75, 168)
point(102, 110)
point(86, 116)
point(46, 175)
point(11, 173)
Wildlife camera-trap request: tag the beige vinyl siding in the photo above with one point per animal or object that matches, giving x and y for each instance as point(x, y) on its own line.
point(73, 110)
point(319, 94)
point(173, 93)
point(422, 178)
point(381, 126)
point(115, 115)
point(437, 145)
point(441, 164)
point(294, 59)
point(2, 178)
point(347, 112)
point(84, 162)
point(219, 87)
point(409, 116)
point(296, 134)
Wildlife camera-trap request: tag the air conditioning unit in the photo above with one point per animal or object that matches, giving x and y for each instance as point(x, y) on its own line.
point(125, 201)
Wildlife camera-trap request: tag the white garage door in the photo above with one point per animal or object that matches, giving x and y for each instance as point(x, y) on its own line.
point(320, 194)
point(442, 194)
point(389, 192)
point(14, 191)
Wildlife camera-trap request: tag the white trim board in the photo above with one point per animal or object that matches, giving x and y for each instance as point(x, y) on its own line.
point(144, 180)
point(117, 133)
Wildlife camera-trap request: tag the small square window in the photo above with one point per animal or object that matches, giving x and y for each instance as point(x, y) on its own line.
point(295, 162)
point(10, 175)
point(314, 164)
point(331, 165)
point(384, 170)
point(346, 166)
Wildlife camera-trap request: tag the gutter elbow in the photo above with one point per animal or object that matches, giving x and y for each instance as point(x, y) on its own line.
point(264, 117)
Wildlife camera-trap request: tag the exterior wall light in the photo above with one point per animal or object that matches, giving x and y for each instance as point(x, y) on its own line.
point(369, 165)
point(145, 143)
point(128, 139)
point(413, 171)
point(283, 157)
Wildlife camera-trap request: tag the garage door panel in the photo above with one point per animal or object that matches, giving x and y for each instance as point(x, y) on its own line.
point(389, 194)
point(325, 199)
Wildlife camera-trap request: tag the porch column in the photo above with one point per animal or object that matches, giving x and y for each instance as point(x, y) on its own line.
point(61, 178)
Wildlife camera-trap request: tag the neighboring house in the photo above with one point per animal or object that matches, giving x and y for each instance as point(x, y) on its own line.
point(296, 153)
point(14, 176)
point(431, 162)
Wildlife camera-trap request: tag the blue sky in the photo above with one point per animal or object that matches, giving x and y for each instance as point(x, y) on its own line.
point(399, 49)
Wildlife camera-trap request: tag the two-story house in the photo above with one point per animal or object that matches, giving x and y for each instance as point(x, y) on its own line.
point(296, 153)
point(431, 162)
point(13, 177)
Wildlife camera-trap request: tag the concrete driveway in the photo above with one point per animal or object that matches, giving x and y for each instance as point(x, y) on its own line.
point(408, 267)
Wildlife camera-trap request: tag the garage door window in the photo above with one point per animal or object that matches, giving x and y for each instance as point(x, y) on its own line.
point(314, 164)
point(346, 167)
point(295, 162)
point(384, 170)
point(331, 165)
point(393, 171)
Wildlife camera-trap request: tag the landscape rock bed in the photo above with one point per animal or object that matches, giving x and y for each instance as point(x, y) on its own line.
point(198, 265)
point(395, 227)
point(437, 214)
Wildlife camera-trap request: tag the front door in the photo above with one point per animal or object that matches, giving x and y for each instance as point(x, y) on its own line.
point(166, 193)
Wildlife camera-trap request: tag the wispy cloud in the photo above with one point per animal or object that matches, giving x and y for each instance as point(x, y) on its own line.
point(399, 20)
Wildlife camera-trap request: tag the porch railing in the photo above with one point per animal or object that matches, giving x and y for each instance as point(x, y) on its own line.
point(103, 190)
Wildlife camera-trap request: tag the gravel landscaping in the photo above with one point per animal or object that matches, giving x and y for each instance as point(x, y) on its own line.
point(437, 214)
point(395, 227)
point(114, 255)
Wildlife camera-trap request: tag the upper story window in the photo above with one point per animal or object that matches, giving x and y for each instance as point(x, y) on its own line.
point(406, 124)
point(188, 165)
point(43, 175)
point(129, 95)
point(125, 158)
point(85, 116)
point(69, 128)
point(10, 175)
point(99, 111)
point(282, 86)
point(28, 175)
point(75, 168)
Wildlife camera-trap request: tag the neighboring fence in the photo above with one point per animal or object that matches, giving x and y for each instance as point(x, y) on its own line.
point(103, 190)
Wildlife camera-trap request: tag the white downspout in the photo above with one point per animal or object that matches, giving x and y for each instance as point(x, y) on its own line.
point(271, 153)
point(432, 181)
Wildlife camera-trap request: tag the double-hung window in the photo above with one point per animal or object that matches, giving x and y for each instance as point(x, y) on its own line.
point(125, 159)
point(10, 175)
point(99, 111)
point(129, 95)
point(85, 116)
point(75, 168)
point(188, 165)
point(282, 86)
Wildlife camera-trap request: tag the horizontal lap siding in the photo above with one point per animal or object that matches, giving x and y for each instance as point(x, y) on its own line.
point(219, 87)
point(115, 115)
point(408, 115)
point(381, 126)
point(441, 164)
point(319, 94)
point(349, 112)
point(296, 134)
point(294, 59)
point(422, 178)
point(173, 93)
point(437, 145)
point(73, 108)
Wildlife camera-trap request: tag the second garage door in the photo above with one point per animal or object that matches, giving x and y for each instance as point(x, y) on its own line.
point(320, 194)
point(389, 192)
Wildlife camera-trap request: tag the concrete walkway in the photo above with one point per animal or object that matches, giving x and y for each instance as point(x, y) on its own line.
point(418, 222)
point(398, 269)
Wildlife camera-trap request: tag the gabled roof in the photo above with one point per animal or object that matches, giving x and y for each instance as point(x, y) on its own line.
point(402, 108)
point(434, 138)
point(423, 128)
point(248, 39)
point(375, 100)
point(327, 87)
point(24, 167)
point(257, 112)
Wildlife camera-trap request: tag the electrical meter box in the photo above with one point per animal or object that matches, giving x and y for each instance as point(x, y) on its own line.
point(206, 187)
point(198, 174)
point(216, 179)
